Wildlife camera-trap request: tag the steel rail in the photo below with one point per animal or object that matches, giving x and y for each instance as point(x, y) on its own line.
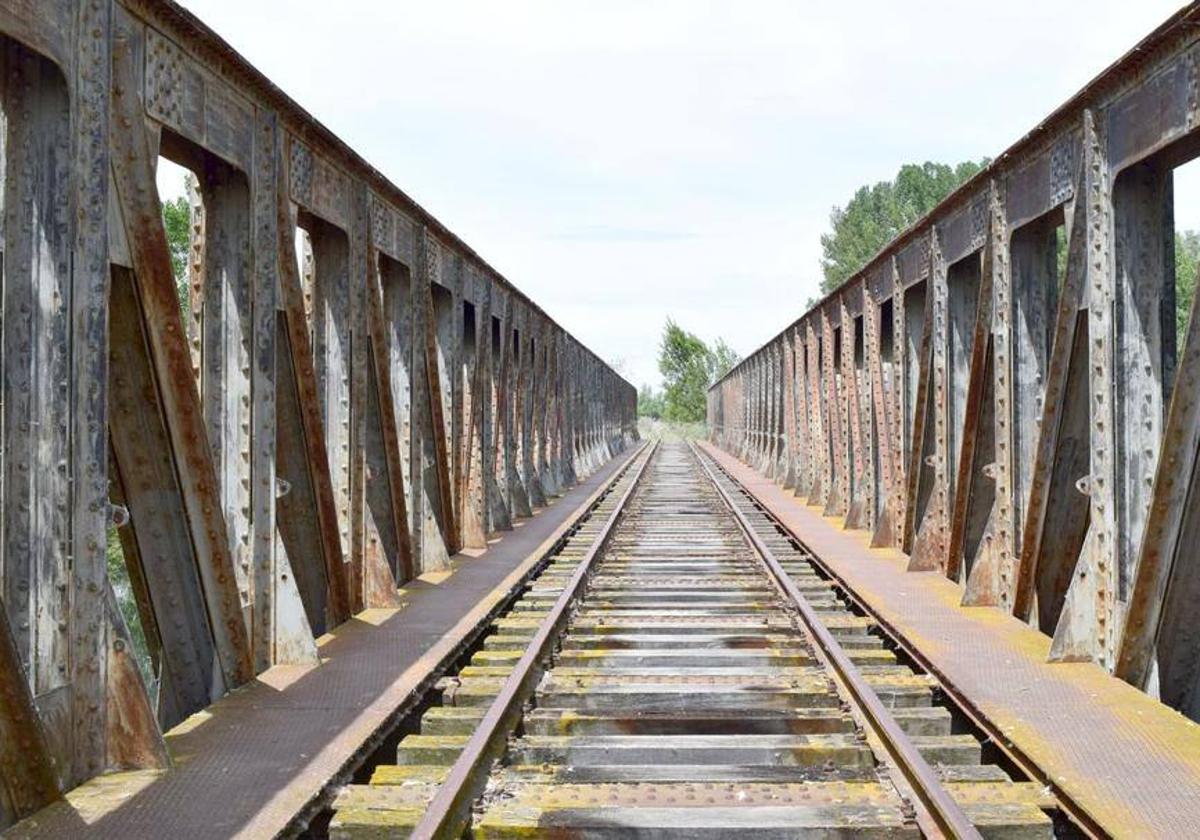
point(449, 811)
point(935, 808)
point(1084, 821)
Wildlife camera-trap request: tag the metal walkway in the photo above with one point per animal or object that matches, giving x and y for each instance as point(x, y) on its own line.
point(1129, 762)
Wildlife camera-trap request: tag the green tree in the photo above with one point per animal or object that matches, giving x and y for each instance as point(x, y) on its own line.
point(878, 214)
point(683, 360)
point(688, 367)
point(177, 222)
point(1187, 263)
point(723, 359)
point(650, 403)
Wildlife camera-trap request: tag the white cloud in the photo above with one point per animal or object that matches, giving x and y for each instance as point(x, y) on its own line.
point(625, 161)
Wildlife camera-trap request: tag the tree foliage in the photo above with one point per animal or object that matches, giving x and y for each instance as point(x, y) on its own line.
point(688, 366)
point(724, 358)
point(650, 403)
point(1187, 263)
point(177, 222)
point(878, 214)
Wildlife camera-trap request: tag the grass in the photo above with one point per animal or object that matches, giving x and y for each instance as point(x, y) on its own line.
point(649, 428)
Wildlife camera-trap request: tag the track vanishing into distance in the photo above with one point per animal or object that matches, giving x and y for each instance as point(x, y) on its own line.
point(680, 668)
point(355, 508)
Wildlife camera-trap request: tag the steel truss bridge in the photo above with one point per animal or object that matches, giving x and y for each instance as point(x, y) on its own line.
point(343, 536)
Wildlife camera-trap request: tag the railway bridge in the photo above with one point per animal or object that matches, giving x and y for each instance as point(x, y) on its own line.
point(330, 531)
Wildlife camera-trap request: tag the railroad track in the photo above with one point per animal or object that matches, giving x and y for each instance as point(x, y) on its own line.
point(680, 669)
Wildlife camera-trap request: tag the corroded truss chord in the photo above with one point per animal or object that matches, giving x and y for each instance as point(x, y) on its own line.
point(999, 392)
point(352, 395)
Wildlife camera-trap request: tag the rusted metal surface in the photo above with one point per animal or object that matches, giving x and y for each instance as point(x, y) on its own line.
point(28, 780)
point(391, 445)
point(273, 447)
point(308, 468)
point(143, 480)
point(1037, 454)
point(133, 175)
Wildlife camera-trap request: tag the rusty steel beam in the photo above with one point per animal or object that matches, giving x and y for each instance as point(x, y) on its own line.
point(133, 175)
point(27, 774)
point(1028, 430)
point(380, 383)
point(308, 459)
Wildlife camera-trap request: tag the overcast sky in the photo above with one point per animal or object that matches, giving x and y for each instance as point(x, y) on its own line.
point(622, 161)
